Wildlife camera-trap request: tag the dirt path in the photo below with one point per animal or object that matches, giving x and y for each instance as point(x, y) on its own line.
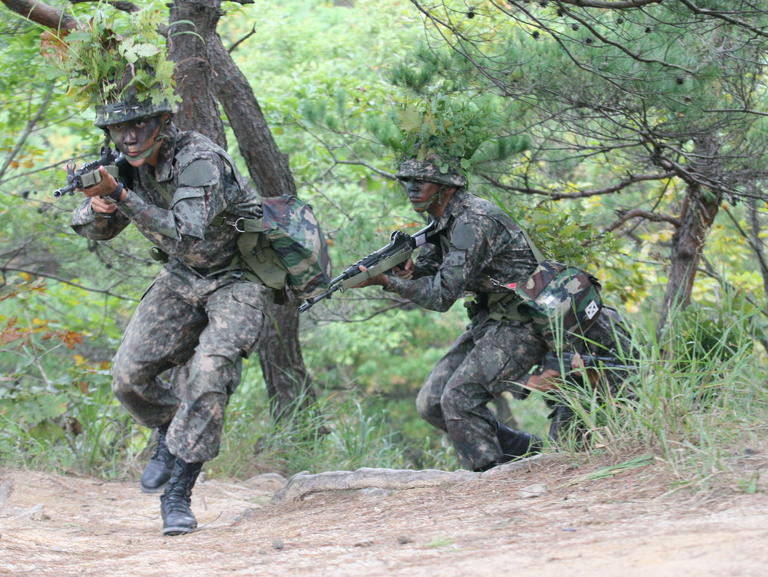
point(544, 519)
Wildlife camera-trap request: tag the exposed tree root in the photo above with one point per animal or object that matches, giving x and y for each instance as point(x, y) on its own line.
point(303, 484)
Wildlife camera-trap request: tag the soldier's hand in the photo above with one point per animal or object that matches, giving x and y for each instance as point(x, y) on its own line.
point(406, 271)
point(379, 279)
point(106, 186)
point(102, 204)
point(547, 380)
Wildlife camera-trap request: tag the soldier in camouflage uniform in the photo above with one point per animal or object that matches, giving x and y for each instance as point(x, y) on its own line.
point(478, 249)
point(201, 315)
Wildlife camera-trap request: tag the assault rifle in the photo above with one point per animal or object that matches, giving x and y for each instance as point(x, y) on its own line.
point(401, 246)
point(88, 174)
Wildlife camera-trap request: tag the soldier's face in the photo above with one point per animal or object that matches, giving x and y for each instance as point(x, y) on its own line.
point(421, 194)
point(137, 139)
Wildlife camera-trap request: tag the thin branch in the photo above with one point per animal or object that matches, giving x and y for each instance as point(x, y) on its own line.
point(627, 4)
point(31, 123)
point(116, 4)
point(645, 214)
point(6, 269)
point(232, 48)
point(630, 180)
point(42, 14)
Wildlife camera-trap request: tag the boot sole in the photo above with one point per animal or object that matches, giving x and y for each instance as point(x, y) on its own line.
point(150, 490)
point(172, 531)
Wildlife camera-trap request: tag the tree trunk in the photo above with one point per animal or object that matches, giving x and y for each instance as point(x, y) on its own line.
point(204, 70)
point(193, 23)
point(267, 166)
point(756, 240)
point(700, 207)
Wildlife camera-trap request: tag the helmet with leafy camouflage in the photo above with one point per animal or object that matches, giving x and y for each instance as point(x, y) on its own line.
point(429, 171)
point(129, 110)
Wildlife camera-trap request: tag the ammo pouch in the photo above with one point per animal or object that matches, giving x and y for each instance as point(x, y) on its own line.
point(262, 260)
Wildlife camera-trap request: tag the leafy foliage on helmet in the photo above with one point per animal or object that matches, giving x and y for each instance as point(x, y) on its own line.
point(429, 170)
point(441, 118)
point(450, 132)
point(117, 60)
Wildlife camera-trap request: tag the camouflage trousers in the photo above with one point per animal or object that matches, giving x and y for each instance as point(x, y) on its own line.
point(201, 328)
point(487, 359)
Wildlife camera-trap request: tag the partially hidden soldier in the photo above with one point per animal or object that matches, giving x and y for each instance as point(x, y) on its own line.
point(202, 314)
point(477, 251)
point(601, 357)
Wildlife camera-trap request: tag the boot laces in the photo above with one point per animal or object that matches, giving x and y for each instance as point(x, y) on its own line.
point(178, 497)
point(161, 450)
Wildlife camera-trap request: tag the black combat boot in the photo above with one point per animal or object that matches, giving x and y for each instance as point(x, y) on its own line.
point(516, 444)
point(158, 470)
point(561, 417)
point(177, 497)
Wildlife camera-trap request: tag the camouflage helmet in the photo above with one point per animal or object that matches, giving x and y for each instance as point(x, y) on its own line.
point(128, 110)
point(429, 171)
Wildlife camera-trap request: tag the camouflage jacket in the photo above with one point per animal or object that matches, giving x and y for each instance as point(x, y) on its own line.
point(478, 248)
point(174, 204)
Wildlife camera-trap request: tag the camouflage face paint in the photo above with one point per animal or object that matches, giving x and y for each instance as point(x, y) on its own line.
point(421, 194)
point(136, 139)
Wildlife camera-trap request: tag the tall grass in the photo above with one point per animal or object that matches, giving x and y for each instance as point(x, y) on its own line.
point(698, 400)
point(337, 432)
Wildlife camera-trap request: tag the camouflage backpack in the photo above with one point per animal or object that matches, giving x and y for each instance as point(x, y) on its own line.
point(286, 247)
point(559, 296)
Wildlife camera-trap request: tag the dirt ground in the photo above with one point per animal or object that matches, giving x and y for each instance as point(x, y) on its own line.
point(544, 518)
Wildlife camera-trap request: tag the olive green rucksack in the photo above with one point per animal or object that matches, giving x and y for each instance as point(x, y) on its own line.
point(286, 248)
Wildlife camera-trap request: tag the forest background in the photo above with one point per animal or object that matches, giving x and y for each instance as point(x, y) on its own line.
point(629, 142)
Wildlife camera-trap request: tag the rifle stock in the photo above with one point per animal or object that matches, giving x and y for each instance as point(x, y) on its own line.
point(401, 246)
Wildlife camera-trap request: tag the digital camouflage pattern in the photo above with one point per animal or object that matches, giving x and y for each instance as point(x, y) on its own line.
point(487, 359)
point(429, 171)
point(479, 251)
point(200, 316)
point(201, 328)
point(174, 206)
point(608, 339)
point(476, 248)
point(129, 110)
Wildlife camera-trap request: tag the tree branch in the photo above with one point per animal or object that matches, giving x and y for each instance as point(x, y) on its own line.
point(630, 180)
point(647, 215)
point(6, 269)
point(42, 14)
point(31, 123)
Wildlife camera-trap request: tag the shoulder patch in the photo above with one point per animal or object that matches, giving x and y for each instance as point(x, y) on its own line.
point(462, 235)
point(200, 172)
